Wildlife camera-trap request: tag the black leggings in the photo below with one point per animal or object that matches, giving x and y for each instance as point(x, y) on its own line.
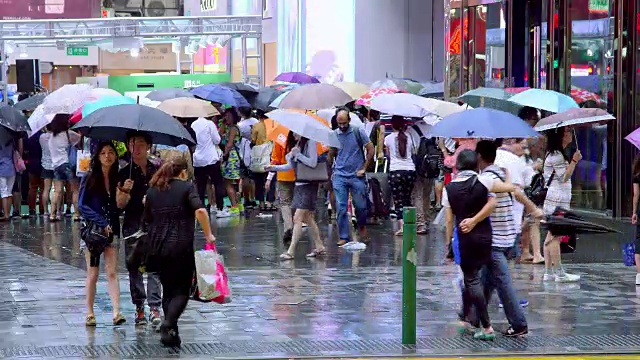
point(401, 183)
point(473, 296)
point(176, 277)
point(213, 173)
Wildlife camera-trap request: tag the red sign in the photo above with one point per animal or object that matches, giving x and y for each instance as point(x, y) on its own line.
point(49, 9)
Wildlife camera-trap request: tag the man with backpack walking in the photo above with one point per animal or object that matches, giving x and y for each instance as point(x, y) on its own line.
point(350, 163)
point(428, 159)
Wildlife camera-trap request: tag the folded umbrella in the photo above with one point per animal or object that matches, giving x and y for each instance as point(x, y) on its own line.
point(30, 103)
point(220, 94)
point(297, 78)
point(483, 123)
point(573, 117)
point(306, 125)
point(492, 98)
point(114, 122)
point(166, 94)
point(13, 119)
point(564, 222)
point(188, 108)
point(548, 100)
point(314, 97)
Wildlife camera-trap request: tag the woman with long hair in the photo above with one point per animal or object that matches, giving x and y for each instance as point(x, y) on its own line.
point(402, 170)
point(172, 205)
point(634, 216)
point(97, 204)
point(558, 168)
point(230, 143)
point(62, 139)
point(305, 195)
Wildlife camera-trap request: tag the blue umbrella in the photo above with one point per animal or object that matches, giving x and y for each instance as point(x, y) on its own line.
point(548, 100)
point(483, 123)
point(220, 94)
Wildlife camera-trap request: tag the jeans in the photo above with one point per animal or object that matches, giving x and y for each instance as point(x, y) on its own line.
point(136, 280)
point(497, 277)
point(357, 186)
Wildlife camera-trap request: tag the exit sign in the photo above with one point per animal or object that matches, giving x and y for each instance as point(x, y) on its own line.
point(77, 51)
point(599, 6)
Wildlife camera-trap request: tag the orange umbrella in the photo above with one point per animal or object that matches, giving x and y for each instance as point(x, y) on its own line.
point(279, 133)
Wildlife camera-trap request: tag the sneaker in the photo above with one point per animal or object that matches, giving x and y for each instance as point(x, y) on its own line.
point(234, 211)
point(486, 336)
point(511, 332)
point(224, 213)
point(638, 279)
point(523, 303)
point(141, 318)
point(548, 277)
point(240, 208)
point(567, 278)
point(154, 317)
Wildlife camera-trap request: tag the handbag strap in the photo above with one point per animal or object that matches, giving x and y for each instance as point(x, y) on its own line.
point(553, 174)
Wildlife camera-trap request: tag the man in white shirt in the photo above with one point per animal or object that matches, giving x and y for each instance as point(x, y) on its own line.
point(206, 160)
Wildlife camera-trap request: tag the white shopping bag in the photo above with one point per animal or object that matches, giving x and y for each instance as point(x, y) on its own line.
point(261, 157)
point(206, 274)
point(440, 221)
point(83, 162)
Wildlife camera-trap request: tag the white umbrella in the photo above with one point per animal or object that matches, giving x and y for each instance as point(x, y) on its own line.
point(65, 100)
point(305, 126)
point(576, 116)
point(327, 114)
point(411, 105)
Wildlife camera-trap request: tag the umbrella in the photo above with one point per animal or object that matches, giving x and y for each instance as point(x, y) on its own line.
point(565, 222)
point(31, 102)
point(432, 89)
point(306, 125)
point(166, 94)
point(634, 138)
point(220, 94)
point(114, 122)
point(284, 87)
point(571, 117)
point(98, 93)
point(188, 108)
point(327, 114)
point(545, 100)
point(355, 90)
point(297, 78)
point(265, 97)
point(483, 123)
point(492, 98)
point(315, 96)
point(411, 105)
point(365, 100)
point(105, 101)
point(6, 136)
point(276, 102)
point(12, 119)
point(249, 92)
point(67, 99)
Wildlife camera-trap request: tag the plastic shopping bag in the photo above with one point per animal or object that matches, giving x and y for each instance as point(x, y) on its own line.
point(628, 254)
point(83, 162)
point(211, 282)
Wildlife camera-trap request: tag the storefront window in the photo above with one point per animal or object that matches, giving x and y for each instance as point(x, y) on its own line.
point(495, 48)
point(453, 42)
point(592, 69)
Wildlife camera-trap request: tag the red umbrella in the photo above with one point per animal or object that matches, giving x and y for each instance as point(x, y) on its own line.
point(76, 117)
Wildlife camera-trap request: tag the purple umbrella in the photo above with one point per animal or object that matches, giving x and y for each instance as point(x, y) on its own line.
point(634, 138)
point(297, 78)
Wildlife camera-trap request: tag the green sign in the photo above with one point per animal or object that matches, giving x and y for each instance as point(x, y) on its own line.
point(77, 51)
point(555, 64)
point(124, 84)
point(599, 6)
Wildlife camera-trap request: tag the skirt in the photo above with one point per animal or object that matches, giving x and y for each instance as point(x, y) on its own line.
point(305, 196)
point(556, 197)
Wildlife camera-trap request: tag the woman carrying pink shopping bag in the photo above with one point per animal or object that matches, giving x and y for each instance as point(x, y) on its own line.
point(210, 283)
point(171, 207)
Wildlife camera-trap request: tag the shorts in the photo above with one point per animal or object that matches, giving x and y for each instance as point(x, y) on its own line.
point(6, 186)
point(64, 172)
point(440, 178)
point(305, 197)
point(47, 174)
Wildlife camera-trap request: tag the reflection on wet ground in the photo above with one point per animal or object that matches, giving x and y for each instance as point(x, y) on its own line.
point(345, 304)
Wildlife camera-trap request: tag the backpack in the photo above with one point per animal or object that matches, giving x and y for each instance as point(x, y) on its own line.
point(428, 158)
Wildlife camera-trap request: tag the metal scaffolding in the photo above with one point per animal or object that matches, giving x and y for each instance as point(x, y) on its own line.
point(88, 32)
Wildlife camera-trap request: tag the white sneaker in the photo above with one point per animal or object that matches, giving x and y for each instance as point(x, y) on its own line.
point(638, 279)
point(567, 278)
point(548, 277)
point(224, 213)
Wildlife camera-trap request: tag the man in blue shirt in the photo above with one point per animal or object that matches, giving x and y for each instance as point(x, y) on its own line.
point(349, 167)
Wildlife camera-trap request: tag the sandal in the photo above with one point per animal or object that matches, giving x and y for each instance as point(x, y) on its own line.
point(342, 242)
point(316, 253)
point(422, 230)
point(90, 321)
point(119, 320)
point(286, 256)
point(399, 233)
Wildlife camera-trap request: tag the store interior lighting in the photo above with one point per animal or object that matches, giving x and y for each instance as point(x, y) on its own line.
point(23, 50)
point(10, 48)
point(134, 52)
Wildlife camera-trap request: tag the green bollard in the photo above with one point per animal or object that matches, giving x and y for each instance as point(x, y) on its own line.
point(409, 262)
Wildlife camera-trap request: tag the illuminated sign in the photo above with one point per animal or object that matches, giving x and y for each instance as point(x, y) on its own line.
point(208, 5)
point(599, 6)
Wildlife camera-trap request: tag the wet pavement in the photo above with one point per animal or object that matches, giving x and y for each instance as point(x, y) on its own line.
point(346, 304)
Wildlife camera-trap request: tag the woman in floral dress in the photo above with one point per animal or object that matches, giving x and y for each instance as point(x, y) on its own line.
point(231, 165)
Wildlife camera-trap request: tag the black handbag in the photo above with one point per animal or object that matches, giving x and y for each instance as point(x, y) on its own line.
point(96, 241)
point(537, 190)
point(137, 242)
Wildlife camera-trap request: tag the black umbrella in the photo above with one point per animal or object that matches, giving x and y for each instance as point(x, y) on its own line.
point(30, 103)
point(248, 91)
point(168, 94)
point(13, 119)
point(265, 97)
point(114, 122)
point(567, 223)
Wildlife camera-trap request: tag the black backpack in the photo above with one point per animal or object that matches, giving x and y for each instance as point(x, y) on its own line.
point(428, 159)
